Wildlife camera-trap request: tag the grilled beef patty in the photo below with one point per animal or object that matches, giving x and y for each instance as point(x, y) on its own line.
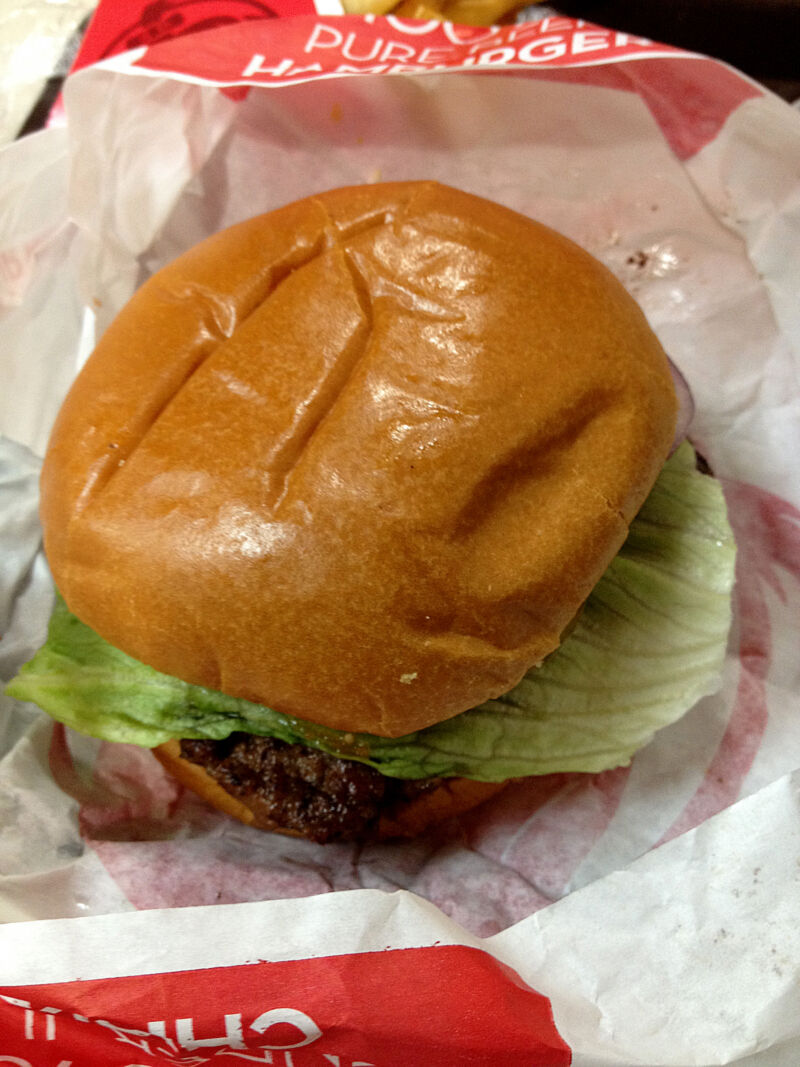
point(319, 796)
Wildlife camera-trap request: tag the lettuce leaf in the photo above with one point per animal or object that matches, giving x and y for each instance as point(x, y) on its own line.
point(649, 643)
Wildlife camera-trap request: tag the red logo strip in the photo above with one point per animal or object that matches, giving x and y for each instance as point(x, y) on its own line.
point(305, 47)
point(119, 25)
point(690, 104)
point(447, 1006)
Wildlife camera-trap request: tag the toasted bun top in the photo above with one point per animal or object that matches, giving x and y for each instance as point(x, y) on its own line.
point(360, 459)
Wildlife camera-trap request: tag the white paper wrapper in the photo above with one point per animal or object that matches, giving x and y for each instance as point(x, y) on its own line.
point(682, 177)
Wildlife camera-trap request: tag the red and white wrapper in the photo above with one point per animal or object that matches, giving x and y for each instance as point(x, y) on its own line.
point(647, 915)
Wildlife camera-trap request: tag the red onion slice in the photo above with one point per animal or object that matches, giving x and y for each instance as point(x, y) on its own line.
point(685, 406)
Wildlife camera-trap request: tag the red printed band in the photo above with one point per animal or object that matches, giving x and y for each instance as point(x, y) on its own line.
point(307, 47)
point(690, 102)
point(444, 1006)
point(119, 25)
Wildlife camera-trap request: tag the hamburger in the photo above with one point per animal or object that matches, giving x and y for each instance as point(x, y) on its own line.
point(329, 506)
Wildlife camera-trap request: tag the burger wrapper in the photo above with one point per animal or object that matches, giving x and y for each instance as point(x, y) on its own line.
point(646, 915)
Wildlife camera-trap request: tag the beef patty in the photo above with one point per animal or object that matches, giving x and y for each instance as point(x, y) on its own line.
point(321, 797)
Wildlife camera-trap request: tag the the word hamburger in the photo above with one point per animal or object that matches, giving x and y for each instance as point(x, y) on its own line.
point(334, 487)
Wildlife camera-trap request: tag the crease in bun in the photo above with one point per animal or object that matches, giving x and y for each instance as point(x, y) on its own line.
point(360, 459)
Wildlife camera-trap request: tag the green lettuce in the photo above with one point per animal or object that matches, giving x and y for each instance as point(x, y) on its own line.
point(649, 643)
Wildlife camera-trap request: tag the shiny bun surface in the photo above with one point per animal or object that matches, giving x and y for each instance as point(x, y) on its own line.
point(360, 459)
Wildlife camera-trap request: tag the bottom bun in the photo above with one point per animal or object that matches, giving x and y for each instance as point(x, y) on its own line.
point(453, 796)
point(436, 800)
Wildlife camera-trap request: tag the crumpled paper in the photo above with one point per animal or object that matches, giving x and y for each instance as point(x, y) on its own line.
point(562, 866)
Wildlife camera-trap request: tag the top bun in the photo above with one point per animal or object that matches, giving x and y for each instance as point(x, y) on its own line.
point(360, 459)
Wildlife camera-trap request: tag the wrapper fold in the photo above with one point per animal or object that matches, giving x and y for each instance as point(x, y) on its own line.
point(681, 176)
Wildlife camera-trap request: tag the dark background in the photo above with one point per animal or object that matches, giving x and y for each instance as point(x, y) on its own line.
point(759, 37)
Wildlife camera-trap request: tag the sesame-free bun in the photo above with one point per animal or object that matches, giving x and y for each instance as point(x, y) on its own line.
point(360, 459)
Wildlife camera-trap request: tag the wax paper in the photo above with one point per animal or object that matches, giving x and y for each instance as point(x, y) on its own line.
point(634, 899)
